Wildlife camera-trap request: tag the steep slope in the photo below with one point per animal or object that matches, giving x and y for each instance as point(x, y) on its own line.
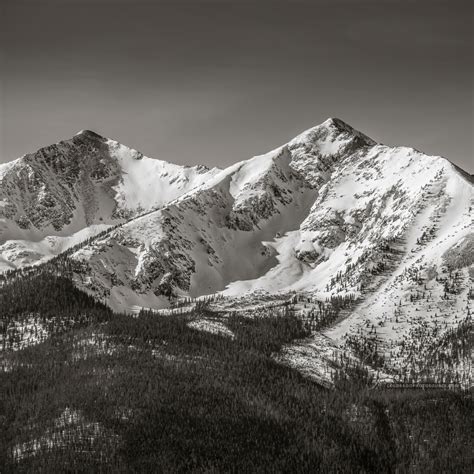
point(67, 192)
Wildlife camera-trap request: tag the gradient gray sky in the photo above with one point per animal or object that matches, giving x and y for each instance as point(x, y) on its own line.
point(215, 82)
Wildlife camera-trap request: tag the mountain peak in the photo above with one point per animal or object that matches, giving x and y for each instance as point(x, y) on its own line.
point(334, 123)
point(331, 136)
point(90, 134)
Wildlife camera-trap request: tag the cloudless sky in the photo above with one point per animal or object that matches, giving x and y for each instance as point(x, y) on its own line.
point(215, 82)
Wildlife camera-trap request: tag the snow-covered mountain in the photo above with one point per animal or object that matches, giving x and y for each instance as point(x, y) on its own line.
point(331, 214)
point(67, 192)
point(223, 231)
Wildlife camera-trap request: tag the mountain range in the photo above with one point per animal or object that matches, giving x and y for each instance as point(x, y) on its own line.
point(379, 237)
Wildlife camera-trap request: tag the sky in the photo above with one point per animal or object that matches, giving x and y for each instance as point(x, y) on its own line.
point(219, 81)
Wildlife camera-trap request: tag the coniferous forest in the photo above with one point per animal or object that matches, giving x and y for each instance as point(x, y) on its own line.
point(105, 392)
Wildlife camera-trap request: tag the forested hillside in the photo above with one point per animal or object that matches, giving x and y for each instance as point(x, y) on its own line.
point(104, 392)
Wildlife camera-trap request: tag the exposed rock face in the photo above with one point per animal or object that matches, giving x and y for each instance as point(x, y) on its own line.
point(42, 189)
